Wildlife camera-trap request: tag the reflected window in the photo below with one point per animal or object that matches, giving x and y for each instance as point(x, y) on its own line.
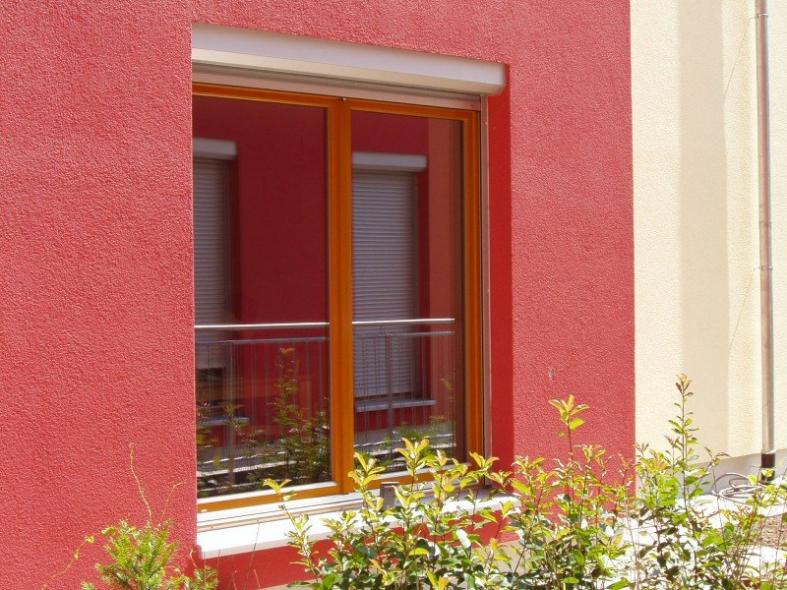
point(261, 294)
point(407, 283)
point(334, 290)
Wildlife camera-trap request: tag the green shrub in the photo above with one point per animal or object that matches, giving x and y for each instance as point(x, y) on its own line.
point(140, 559)
point(571, 524)
point(691, 541)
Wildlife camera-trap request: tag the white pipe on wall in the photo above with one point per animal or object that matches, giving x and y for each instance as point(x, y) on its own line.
point(768, 457)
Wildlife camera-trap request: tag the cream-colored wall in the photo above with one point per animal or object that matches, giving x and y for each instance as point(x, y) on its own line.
point(696, 215)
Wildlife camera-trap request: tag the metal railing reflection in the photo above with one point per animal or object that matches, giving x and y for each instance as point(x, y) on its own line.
point(263, 397)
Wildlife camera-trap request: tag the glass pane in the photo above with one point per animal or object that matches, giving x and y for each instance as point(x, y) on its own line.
point(260, 214)
point(407, 284)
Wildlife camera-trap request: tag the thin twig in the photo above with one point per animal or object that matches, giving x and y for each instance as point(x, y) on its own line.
point(139, 482)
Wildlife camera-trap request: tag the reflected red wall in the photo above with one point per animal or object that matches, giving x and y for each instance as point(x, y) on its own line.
point(278, 232)
point(278, 228)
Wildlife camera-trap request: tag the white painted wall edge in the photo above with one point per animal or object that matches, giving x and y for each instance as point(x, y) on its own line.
point(288, 54)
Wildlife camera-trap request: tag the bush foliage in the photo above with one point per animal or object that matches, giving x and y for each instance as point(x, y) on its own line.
point(141, 559)
point(576, 523)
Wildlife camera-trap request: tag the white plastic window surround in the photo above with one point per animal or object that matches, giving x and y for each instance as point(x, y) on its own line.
point(304, 56)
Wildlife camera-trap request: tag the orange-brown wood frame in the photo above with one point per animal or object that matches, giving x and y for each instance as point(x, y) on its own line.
point(339, 183)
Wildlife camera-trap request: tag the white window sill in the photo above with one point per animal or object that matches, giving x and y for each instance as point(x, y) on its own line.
point(245, 530)
point(255, 537)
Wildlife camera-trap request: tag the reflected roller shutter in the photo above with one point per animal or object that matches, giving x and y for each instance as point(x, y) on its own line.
point(384, 272)
point(210, 254)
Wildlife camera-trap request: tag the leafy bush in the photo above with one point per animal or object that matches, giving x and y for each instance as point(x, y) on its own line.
point(691, 541)
point(572, 524)
point(140, 559)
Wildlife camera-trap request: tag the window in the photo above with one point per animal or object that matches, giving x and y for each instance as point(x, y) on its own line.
point(337, 287)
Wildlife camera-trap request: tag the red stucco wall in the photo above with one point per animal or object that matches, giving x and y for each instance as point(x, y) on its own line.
point(96, 267)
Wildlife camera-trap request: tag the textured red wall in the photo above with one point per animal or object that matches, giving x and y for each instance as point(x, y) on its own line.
point(95, 277)
point(96, 271)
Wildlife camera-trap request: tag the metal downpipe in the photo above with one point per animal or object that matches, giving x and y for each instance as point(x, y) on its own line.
point(768, 456)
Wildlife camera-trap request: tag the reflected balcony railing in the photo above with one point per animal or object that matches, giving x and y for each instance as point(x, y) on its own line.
point(263, 397)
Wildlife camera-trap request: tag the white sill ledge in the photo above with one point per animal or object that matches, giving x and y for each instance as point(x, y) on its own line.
point(266, 527)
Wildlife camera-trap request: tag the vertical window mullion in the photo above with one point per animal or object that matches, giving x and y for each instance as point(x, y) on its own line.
point(340, 288)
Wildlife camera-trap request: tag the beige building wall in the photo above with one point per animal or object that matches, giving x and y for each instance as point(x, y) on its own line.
point(696, 216)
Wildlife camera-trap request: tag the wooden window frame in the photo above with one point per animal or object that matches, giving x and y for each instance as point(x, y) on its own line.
point(340, 309)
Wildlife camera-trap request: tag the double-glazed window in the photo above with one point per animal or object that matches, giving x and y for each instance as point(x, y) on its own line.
point(337, 286)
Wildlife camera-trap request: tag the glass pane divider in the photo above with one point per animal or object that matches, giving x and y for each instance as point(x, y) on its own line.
point(340, 290)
